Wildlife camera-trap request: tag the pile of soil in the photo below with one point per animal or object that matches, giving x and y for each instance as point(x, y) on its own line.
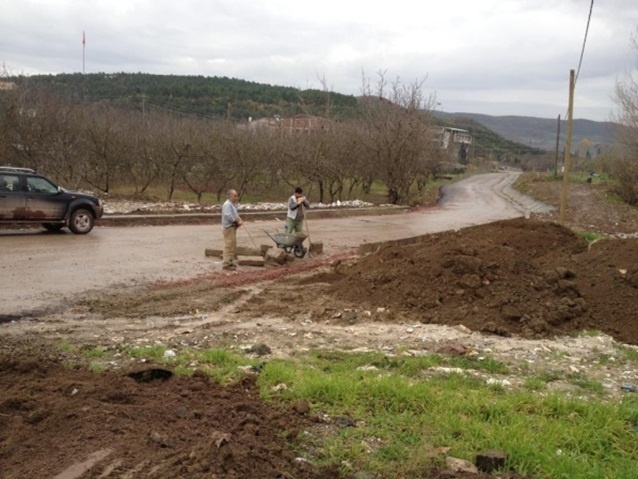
point(72, 423)
point(523, 277)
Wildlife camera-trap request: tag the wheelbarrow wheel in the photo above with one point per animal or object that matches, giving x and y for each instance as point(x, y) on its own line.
point(299, 251)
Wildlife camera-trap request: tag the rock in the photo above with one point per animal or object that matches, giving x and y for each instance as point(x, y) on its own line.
point(452, 349)
point(460, 465)
point(349, 315)
point(169, 353)
point(462, 329)
point(316, 248)
point(344, 421)
point(490, 461)
point(254, 261)
point(470, 281)
point(260, 349)
point(565, 273)
point(246, 251)
point(279, 387)
point(276, 255)
point(219, 438)
point(217, 253)
point(301, 407)
point(159, 439)
point(511, 313)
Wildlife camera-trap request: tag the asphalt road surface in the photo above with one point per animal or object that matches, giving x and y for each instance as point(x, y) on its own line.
point(40, 271)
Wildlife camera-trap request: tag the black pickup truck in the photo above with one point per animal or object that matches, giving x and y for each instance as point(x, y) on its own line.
point(27, 197)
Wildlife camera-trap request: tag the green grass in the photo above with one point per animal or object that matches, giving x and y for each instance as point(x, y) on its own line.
point(629, 354)
point(589, 236)
point(67, 347)
point(405, 414)
point(94, 352)
point(545, 436)
point(587, 384)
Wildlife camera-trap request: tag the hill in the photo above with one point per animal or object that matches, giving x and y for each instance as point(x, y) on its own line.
point(193, 95)
point(540, 132)
point(214, 97)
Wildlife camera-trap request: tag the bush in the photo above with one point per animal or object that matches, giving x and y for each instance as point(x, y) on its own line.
point(625, 171)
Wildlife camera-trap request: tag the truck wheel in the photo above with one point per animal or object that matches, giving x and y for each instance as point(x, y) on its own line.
point(81, 221)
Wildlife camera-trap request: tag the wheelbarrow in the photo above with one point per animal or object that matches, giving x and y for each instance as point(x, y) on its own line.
point(291, 243)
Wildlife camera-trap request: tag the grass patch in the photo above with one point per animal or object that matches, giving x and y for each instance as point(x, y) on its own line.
point(629, 354)
point(67, 347)
point(94, 352)
point(408, 416)
point(587, 384)
point(535, 383)
point(404, 416)
point(589, 236)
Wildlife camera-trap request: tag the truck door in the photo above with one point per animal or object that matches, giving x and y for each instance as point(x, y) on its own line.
point(12, 197)
point(45, 201)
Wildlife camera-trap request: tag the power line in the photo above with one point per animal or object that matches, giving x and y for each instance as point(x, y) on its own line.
point(582, 51)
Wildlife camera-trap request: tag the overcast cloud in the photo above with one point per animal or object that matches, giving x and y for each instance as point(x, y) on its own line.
point(501, 57)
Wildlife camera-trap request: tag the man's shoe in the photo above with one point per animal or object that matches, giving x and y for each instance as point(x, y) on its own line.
point(229, 267)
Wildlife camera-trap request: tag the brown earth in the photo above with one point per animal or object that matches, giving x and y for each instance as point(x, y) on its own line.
point(69, 423)
point(517, 277)
point(590, 206)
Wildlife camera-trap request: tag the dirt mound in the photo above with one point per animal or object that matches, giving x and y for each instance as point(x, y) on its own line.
point(71, 424)
point(523, 277)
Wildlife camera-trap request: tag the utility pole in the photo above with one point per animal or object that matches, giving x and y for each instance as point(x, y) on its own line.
point(568, 149)
point(83, 50)
point(557, 145)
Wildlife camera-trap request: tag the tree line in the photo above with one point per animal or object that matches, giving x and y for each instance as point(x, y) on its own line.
point(103, 146)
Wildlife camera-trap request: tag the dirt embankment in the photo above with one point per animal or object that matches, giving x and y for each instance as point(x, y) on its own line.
point(58, 422)
point(523, 277)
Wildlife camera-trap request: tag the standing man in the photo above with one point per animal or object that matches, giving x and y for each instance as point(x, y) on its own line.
point(230, 222)
point(297, 204)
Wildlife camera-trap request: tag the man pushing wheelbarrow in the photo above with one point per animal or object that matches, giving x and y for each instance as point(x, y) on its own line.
point(292, 240)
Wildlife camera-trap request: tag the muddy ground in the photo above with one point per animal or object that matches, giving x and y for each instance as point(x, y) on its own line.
point(520, 291)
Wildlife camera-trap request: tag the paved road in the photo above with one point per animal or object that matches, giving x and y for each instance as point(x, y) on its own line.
point(40, 270)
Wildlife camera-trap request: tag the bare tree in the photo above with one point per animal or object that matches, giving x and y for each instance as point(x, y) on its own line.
point(106, 143)
point(396, 121)
point(625, 167)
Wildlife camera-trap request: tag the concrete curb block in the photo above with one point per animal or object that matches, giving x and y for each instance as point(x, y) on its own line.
point(211, 218)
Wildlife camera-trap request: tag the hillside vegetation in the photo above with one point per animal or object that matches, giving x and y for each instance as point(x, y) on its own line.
point(147, 132)
point(214, 97)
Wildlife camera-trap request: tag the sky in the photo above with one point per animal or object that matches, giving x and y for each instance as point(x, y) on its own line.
point(497, 57)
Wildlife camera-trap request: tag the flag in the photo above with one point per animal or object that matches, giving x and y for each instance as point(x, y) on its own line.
point(83, 39)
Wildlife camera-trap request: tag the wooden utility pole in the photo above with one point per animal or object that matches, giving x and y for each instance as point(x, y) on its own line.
point(557, 145)
point(568, 149)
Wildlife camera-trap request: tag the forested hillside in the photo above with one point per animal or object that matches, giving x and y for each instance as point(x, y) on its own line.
point(195, 95)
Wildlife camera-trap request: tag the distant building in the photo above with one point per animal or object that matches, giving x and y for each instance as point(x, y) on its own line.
point(455, 141)
point(7, 85)
point(299, 123)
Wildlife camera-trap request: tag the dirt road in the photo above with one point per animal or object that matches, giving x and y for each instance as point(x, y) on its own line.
point(40, 271)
